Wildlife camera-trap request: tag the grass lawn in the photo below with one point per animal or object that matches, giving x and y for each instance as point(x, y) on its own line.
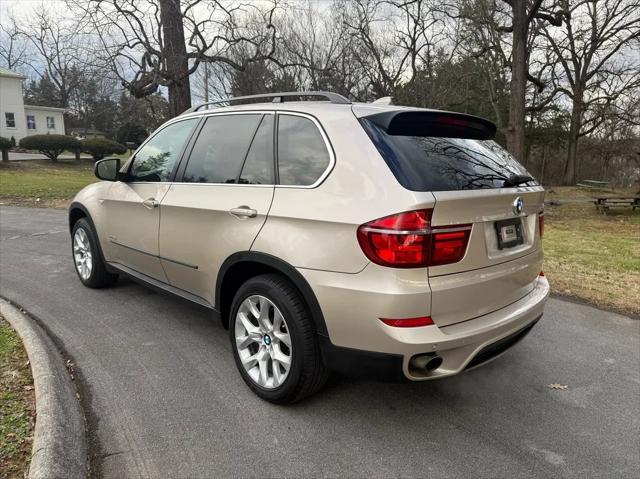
point(42, 182)
point(17, 405)
point(592, 256)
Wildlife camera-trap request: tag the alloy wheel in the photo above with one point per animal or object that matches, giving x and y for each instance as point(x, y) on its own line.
point(263, 341)
point(82, 253)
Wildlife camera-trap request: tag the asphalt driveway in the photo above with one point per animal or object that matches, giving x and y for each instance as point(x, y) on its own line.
point(165, 399)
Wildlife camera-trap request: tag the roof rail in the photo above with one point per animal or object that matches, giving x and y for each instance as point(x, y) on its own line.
point(277, 98)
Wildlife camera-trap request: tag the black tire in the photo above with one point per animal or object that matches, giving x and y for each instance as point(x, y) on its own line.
point(99, 277)
point(307, 373)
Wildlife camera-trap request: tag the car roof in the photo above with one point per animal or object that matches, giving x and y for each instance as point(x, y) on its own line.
point(310, 107)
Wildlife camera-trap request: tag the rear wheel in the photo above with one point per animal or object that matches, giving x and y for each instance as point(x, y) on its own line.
point(274, 342)
point(86, 257)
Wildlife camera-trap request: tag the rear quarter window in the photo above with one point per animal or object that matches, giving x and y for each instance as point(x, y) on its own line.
point(429, 163)
point(302, 153)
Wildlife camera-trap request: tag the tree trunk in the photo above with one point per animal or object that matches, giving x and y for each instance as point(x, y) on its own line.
point(570, 175)
point(544, 161)
point(5, 155)
point(515, 129)
point(175, 53)
point(605, 168)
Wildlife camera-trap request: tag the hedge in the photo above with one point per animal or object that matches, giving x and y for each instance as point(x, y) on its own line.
point(50, 145)
point(98, 148)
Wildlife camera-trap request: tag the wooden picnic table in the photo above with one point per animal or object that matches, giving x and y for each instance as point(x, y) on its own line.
point(593, 184)
point(603, 203)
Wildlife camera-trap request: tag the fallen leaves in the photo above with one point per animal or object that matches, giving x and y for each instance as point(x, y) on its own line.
point(561, 387)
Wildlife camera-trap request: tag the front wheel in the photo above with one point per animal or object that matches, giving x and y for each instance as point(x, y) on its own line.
point(87, 259)
point(274, 342)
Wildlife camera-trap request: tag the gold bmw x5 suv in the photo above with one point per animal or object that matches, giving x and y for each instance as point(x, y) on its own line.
point(383, 241)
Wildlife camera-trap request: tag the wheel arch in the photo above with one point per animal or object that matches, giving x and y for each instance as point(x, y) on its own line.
point(241, 266)
point(77, 211)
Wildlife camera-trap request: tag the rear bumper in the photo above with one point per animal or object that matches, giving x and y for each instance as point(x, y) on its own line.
point(462, 345)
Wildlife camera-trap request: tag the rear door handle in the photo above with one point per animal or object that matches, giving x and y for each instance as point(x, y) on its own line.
point(243, 212)
point(150, 203)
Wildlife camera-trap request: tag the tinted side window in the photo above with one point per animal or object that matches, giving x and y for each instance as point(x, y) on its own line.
point(221, 148)
point(155, 160)
point(302, 153)
point(258, 166)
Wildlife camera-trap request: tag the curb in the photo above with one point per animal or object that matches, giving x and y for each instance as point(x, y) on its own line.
point(59, 443)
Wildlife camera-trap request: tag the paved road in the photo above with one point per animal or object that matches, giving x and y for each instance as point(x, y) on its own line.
point(166, 401)
point(14, 156)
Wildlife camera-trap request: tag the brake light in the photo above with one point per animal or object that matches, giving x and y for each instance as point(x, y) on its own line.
point(448, 247)
point(407, 240)
point(541, 223)
point(408, 322)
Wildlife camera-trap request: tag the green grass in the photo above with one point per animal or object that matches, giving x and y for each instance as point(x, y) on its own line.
point(26, 181)
point(592, 256)
point(17, 406)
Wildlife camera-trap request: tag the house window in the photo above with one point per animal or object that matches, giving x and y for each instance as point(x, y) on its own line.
point(10, 120)
point(31, 122)
point(51, 123)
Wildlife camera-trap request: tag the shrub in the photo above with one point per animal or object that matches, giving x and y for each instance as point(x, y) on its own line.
point(13, 141)
point(5, 144)
point(50, 145)
point(98, 148)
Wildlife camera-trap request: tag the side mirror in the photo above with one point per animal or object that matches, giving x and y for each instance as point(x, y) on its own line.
point(107, 169)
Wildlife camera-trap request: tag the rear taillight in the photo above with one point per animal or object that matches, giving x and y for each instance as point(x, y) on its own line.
point(407, 240)
point(541, 223)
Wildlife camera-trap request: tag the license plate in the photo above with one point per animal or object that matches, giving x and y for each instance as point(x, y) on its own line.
point(509, 233)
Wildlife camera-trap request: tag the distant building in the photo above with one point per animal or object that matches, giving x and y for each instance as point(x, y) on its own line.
point(19, 120)
point(83, 134)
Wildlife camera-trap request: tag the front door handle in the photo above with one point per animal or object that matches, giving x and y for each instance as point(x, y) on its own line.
point(243, 212)
point(150, 203)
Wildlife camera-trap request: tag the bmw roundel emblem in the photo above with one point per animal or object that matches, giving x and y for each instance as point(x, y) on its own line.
point(518, 206)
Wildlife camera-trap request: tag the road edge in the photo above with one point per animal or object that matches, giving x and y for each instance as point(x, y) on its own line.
point(60, 442)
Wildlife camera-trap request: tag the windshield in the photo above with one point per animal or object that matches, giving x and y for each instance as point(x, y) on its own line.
point(427, 163)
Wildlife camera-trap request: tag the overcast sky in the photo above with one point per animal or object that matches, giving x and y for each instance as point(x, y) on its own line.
point(23, 7)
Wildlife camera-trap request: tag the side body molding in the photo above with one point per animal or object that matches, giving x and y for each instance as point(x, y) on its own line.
point(270, 262)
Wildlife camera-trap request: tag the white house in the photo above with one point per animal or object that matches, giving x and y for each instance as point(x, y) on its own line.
point(19, 120)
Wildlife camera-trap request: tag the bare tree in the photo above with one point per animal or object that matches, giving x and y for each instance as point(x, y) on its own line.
point(56, 55)
point(13, 44)
point(592, 67)
point(523, 14)
point(484, 43)
point(159, 43)
point(393, 39)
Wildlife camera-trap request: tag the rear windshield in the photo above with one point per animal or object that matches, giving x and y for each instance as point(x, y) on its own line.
point(427, 163)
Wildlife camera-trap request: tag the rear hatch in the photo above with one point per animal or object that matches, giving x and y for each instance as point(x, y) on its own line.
point(476, 184)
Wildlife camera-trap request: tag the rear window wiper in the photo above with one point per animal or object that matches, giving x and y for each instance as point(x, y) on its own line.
point(515, 180)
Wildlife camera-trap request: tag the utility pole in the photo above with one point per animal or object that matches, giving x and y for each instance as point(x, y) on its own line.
point(206, 82)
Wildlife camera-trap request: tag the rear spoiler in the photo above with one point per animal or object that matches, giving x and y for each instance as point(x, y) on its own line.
point(433, 123)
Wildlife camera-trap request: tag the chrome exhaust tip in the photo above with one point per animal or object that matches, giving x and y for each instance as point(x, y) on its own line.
point(428, 362)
